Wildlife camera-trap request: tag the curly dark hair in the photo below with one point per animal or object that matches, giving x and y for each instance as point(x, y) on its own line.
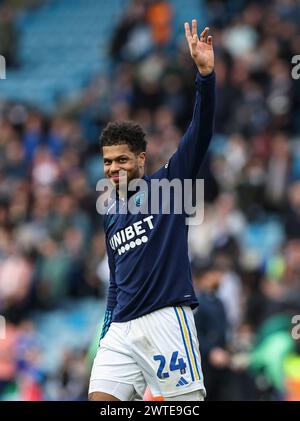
point(124, 133)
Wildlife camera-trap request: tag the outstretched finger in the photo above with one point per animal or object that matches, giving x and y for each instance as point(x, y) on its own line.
point(188, 32)
point(194, 44)
point(194, 27)
point(203, 34)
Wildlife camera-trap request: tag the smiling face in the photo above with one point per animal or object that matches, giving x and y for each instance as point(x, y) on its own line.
point(118, 158)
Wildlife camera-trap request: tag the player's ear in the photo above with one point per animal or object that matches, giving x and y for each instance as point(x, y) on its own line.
point(141, 159)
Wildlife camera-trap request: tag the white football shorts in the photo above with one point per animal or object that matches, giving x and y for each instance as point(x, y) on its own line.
point(160, 350)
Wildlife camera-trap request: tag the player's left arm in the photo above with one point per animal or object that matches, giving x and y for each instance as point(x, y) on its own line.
point(186, 161)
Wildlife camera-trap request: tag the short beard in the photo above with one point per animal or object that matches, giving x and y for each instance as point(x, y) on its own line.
point(135, 175)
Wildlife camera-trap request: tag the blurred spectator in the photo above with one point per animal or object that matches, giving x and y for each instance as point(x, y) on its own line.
point(73, 380)
point(292, 221)
point(20, 370)
point(53, 270)
point(8, 36)
point(159, 15)
point(211, 325)
point(132, 38)
point(15, 293)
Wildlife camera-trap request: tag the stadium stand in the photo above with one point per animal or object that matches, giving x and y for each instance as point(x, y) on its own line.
point(73, 69)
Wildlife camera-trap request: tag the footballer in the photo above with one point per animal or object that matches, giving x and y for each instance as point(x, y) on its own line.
point(149, 336)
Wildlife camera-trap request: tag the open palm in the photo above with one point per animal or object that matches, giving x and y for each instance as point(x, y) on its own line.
point(201, 49)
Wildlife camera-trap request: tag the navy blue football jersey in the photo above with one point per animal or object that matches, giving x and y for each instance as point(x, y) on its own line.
point(148, 253)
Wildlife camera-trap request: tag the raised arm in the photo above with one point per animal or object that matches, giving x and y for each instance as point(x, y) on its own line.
point(186, 161)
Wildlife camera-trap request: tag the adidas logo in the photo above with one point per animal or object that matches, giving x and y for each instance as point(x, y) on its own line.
point(181, 382)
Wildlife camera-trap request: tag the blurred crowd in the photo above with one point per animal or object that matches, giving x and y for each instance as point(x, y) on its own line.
point(245, 256)
point(9, 37)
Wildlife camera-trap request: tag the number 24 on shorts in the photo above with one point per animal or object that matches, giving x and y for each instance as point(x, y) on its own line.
point(174, 365)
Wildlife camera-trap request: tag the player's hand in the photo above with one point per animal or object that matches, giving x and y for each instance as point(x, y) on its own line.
point(201, 49)
point(219, 358)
